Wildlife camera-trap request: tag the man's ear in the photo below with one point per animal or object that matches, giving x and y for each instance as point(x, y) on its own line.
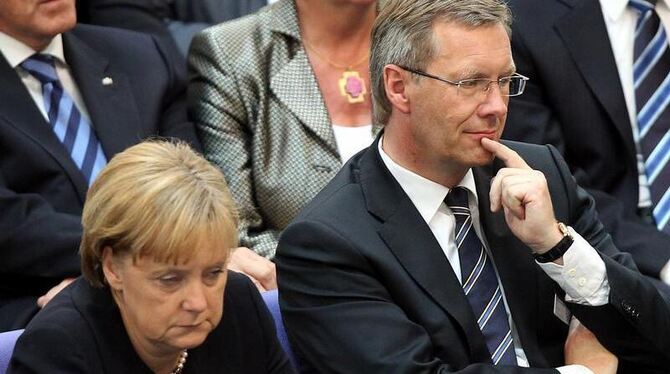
point(111, 268)
point(395, 85)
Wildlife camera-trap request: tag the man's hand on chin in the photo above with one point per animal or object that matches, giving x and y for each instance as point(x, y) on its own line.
point(523, 195)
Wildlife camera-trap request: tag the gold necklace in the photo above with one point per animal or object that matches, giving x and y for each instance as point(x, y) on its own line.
point(180, 363)
point(351, 85)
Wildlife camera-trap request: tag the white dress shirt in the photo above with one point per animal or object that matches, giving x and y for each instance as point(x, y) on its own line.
point(620, 20)
point(350, 140)
point(16, 52)
point(582, 275)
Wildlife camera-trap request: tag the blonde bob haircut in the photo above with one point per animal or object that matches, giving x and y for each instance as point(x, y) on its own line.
point(158, 199)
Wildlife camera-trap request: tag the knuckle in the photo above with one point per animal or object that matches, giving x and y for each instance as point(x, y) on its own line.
point(539, 175)
point(266, 273)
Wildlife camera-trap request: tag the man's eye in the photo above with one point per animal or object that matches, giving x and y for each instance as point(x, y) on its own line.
point(470, 83)
point(504, 81)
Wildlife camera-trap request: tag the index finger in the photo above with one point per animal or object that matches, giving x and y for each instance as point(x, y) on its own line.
point(508, 156)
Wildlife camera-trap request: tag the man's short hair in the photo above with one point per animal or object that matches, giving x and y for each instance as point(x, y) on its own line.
point(403, 35)
point(158, 199)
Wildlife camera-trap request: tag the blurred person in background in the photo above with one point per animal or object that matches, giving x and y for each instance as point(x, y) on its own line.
point(71, 97)
point(174, 22)
point(582, 98)
point(281, 100)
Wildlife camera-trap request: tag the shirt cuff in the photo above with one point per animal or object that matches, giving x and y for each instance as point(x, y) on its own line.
point(582, 276)
point(574, 369)
point(665, 273)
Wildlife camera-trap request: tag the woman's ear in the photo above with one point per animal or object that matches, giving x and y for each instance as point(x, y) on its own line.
point(111, 268)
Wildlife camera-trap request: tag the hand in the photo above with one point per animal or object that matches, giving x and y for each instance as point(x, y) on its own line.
point(261, 270)
point(44, 299)
point(583, 348)
point(523, 195)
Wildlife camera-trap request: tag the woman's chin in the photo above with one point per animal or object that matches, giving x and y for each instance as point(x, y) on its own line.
point(190, 337)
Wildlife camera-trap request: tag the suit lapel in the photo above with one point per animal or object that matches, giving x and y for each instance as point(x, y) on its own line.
point(583, 30)
point(412, 243)
point(20, 111)
point(515, 266)
point(112, 107)
point(295, 84)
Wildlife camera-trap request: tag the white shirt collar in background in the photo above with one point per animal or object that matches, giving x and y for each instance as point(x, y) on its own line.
point(16, 52)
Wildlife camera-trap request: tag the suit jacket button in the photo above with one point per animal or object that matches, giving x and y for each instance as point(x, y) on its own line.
point(629, 310)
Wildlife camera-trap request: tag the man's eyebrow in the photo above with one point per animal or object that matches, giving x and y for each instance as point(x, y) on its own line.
point(470, 73)
point(477, 74)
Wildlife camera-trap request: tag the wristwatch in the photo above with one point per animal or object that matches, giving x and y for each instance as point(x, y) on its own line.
point(559, 249)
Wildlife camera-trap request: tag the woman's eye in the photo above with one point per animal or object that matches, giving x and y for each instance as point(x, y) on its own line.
point(169, 280)
point(214, 274)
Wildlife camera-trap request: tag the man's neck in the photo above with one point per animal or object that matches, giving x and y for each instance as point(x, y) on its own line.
point(402, 150)
point(36, 43)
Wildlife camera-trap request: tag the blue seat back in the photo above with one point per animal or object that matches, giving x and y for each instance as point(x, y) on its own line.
point(7, 342)
point(271, 299)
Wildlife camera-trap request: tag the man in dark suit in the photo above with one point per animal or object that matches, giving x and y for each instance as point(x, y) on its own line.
point(438, 249)
point(122, 89)
point(175, 22)
point(581, 99)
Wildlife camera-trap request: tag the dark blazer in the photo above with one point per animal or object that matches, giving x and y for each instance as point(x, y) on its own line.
point(81, 331)
point(574, 101)
point(41, 189)
point(175, 22)
point(366, 288)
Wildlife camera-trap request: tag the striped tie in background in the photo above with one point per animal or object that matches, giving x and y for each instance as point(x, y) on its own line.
point(71, 128)
point(651, 74)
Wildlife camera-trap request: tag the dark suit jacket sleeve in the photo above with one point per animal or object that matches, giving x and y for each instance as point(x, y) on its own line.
point(634, 324)
point(139, 15)
point(51, 254)
point(346, 321)
point(532, 119)
point(48, 349)
point(174, 121)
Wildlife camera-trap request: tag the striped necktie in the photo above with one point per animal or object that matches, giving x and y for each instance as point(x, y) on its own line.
point(71, 128)
point(480, 283)
point(651, 74)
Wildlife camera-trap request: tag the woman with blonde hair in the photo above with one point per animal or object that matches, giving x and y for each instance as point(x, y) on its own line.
point(158, 228)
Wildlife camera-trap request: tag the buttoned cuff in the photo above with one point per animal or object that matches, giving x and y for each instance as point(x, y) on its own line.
point(582, 276)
